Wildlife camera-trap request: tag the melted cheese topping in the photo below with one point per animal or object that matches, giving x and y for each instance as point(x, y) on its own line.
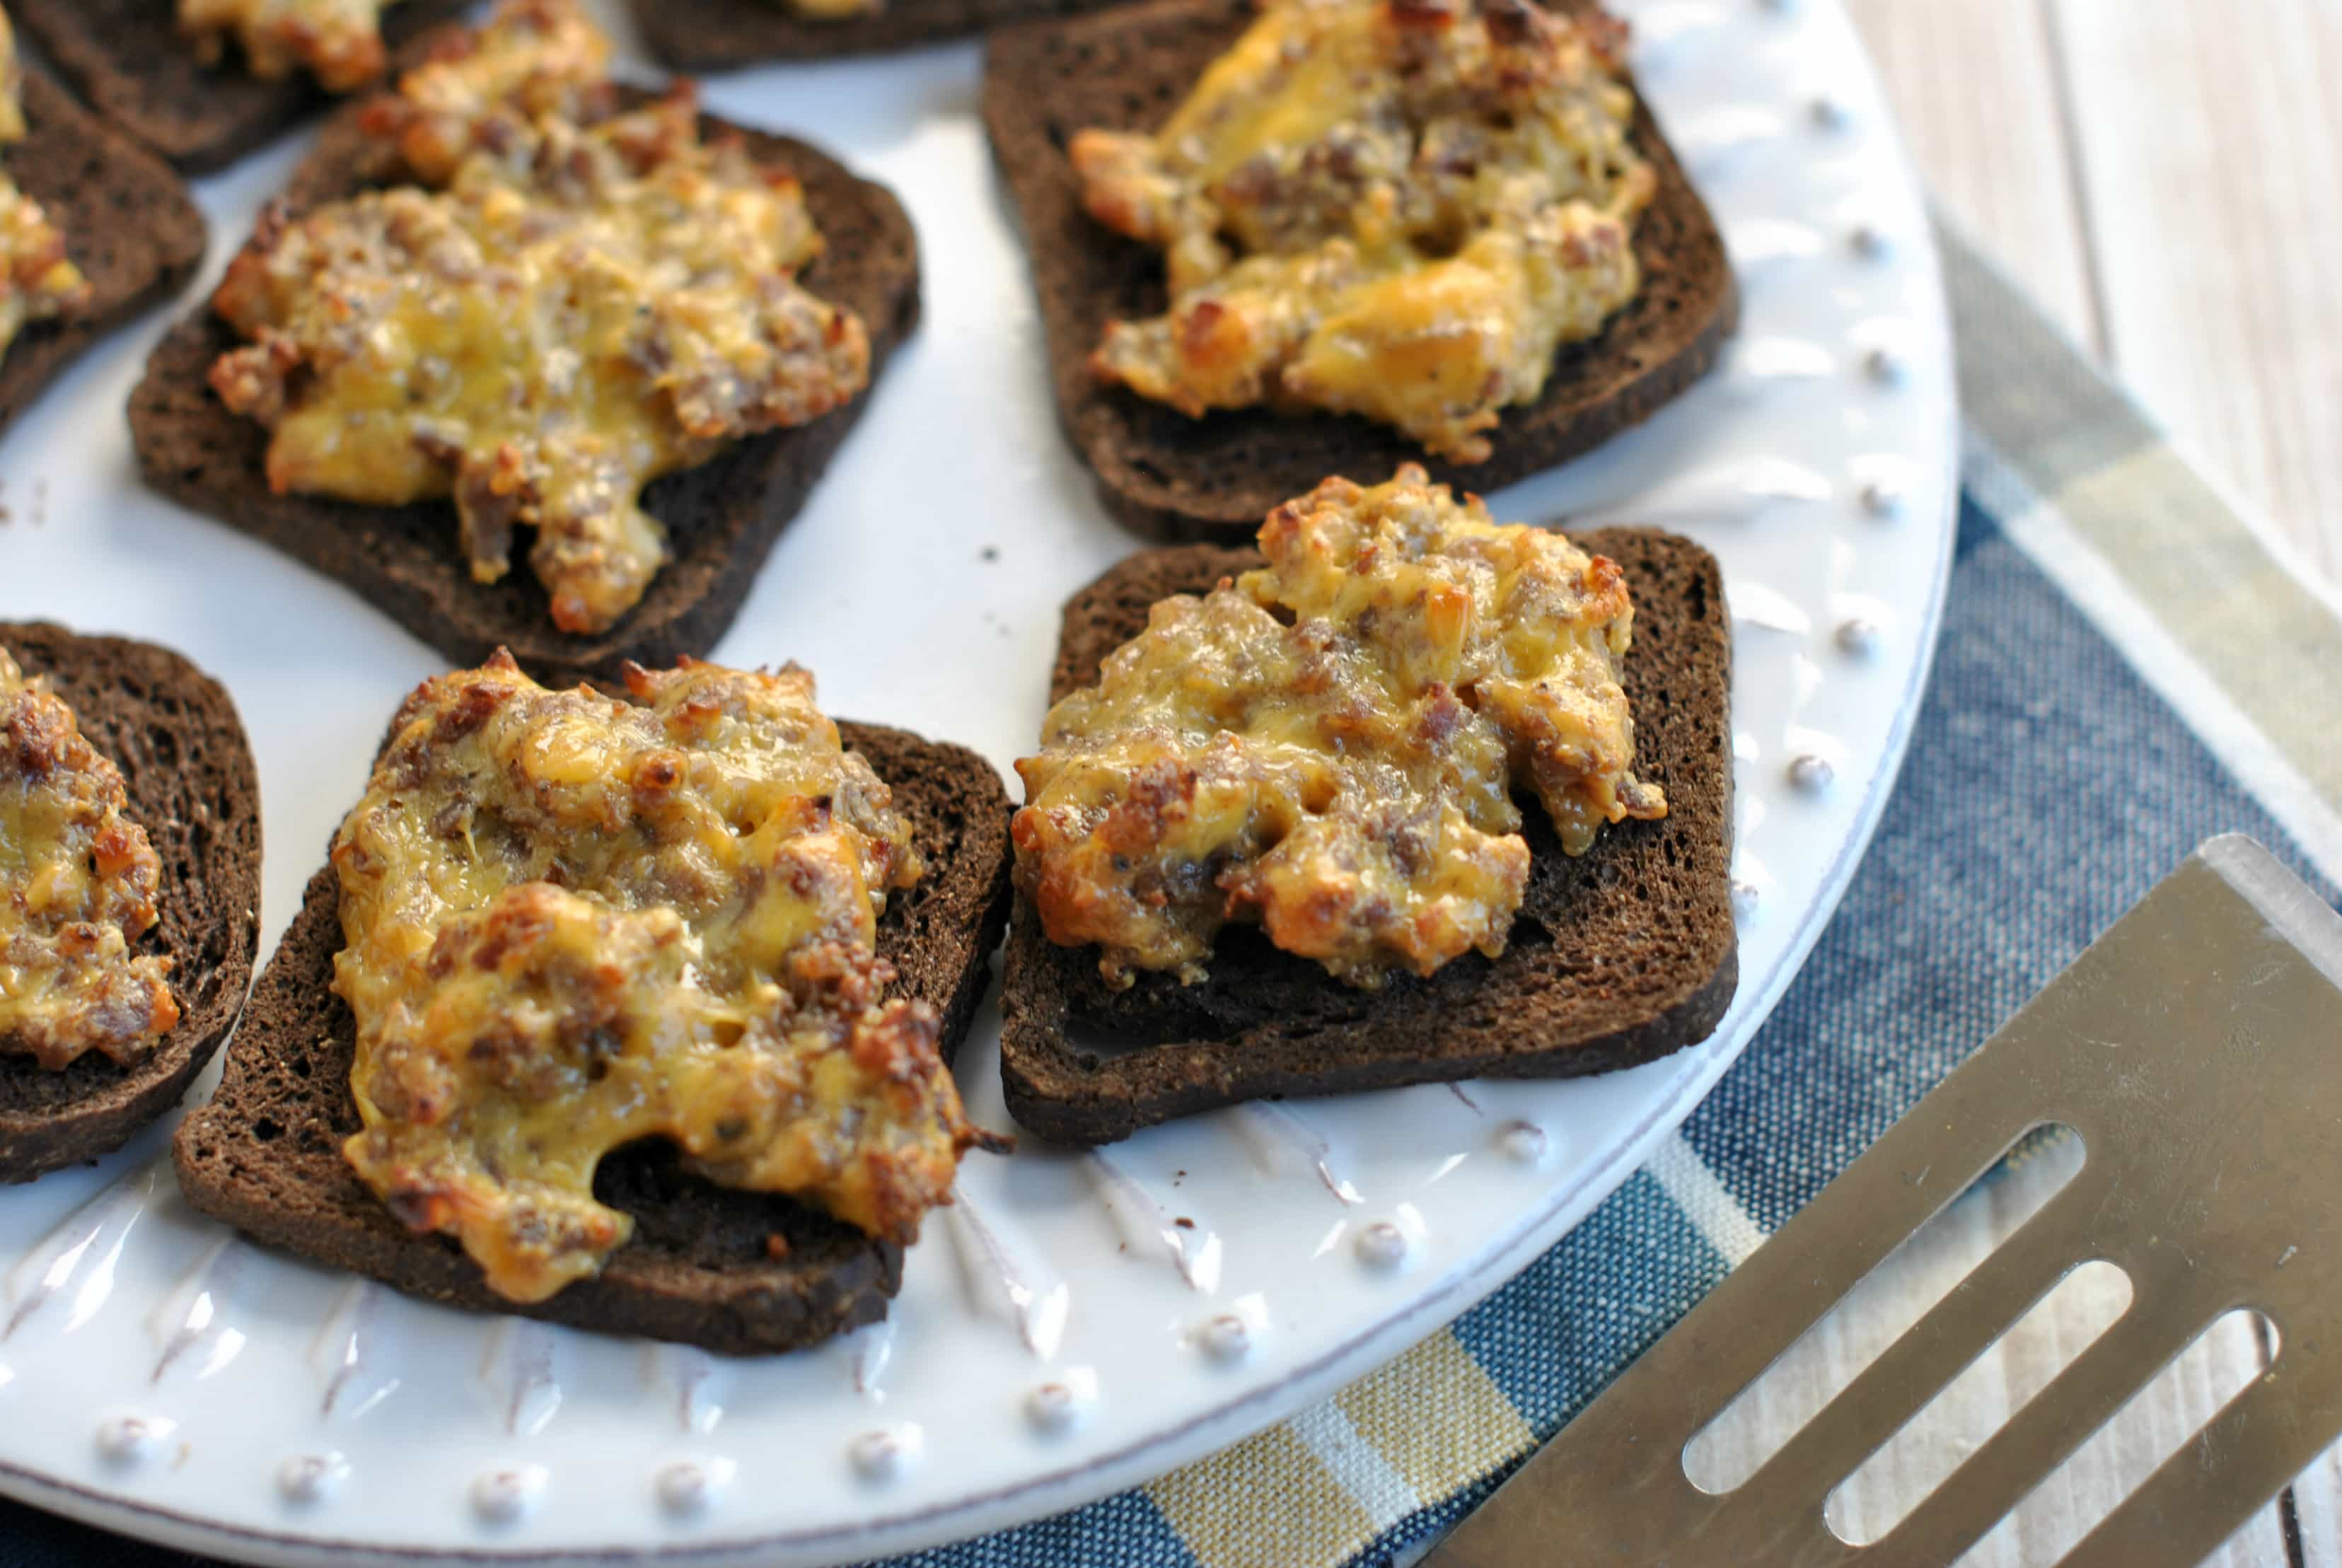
point(78, 882)
point(37, 282)
point(1329, 745)
point(536, 60)
point(1393, 208)
point(337, 41)
point(574, 921)
point(581, 309)
point(832, 10)
point(12, 84)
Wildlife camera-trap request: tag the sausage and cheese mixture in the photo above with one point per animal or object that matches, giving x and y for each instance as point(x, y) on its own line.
point(1393, 208)
point(538, 60)
point(12, 84)
point(37, 280)
point(572, 309)
point(1329, 745)
point(339, 42)
point(574, 921)
point(831, 10)
point(78, 883)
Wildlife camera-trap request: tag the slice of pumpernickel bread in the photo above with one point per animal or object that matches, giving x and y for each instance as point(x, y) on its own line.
point(1617, 956)
point(722, 516)
point(1172, 476)
point(725, 35)
point(174, 733)
point(265, 1154)
point(127, 59)
point(128, 223)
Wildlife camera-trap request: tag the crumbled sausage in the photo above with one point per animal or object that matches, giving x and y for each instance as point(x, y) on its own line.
point(79, 883)
point(1328, 746)
point(566, 308)
point(658, 920)
point(1393, 209)
point(337, 41)
point(38, 282)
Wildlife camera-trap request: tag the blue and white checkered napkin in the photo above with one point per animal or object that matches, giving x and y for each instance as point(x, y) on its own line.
point(2120, 677)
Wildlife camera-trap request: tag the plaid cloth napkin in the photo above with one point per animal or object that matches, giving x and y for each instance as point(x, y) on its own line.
point(2126, 670)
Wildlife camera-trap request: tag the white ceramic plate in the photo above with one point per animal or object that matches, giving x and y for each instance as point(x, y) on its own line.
point(1078, 1323)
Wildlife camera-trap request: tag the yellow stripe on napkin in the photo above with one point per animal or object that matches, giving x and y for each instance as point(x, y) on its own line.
point(1322, 1485)
point(1436, 1417)
point(1268, 1503)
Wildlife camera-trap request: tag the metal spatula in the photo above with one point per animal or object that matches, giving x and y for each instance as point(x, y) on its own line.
point(2196, 1048)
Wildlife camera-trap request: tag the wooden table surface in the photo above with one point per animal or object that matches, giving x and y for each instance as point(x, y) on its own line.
point(2166, 177)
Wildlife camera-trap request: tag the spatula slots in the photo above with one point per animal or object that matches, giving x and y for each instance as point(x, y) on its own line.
point(2195, 1050)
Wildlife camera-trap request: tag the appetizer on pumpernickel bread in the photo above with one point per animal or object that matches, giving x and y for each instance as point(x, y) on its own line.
point(1341, 234)
point(203, 82)
point(1272, 844)
point(628, 1012)
point(514, 301)
point(92, 231)
point(726, 34)
point(129, 888)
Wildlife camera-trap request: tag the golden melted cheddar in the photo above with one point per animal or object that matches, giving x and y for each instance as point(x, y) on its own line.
point(12, 84)
point(536, 60)
point(78, 882)
point(574, 921)
point(1393, 208)
point(1329, 745)
point(37, 280)
point(831, 10)
point(337, 41)
point(581, 308)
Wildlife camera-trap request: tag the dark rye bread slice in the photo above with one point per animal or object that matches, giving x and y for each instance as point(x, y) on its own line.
point(128, 223)
point(174, 733)
point(722, 515)
point(1171, 476)
point(265, 1155)
point(725, 35)
point(1616, 957)
point(127, 59)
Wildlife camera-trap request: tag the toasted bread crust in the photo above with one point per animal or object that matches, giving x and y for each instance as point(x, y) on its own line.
point(1169, 476)
point(1617, 957)
point(174, 733)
